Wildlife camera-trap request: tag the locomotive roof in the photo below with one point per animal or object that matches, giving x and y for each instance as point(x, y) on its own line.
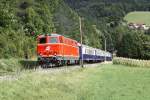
point(56, 35)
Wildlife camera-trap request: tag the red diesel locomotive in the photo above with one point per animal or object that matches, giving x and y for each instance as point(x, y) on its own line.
point(57, 49)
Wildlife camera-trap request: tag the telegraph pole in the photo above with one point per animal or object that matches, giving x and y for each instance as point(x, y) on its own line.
point(81, 41)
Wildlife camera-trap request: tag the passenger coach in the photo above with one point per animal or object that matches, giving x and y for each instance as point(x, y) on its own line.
point(90, 54)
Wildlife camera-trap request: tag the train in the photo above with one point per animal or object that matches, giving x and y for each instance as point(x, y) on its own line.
point(55, 49)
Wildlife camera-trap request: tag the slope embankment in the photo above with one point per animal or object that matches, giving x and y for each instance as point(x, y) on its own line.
point(15, 65)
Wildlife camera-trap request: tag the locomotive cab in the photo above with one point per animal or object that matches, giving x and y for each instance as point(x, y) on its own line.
point(47, 46)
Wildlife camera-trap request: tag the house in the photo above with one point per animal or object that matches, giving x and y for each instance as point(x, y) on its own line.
point(138, 26)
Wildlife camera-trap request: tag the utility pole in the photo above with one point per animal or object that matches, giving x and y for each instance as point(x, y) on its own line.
point(105, 47)
point(81, 41)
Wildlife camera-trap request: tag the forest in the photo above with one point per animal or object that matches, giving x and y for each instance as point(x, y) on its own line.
point(22, 20)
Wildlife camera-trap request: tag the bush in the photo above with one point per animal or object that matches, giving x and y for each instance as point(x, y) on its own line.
point(131, 62)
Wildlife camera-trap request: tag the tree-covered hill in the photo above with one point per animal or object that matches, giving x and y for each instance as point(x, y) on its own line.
point(108, 16)
point(22, 20)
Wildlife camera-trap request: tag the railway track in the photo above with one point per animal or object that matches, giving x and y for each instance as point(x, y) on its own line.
point(70, 68)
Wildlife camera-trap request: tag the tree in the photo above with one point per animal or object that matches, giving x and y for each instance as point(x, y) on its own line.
point(132, 46)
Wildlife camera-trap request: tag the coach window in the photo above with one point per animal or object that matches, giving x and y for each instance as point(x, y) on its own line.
point(42, 40)
point(53, 40)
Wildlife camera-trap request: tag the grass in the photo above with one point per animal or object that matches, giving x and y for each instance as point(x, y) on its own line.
point(138, 17)
point(105, 82)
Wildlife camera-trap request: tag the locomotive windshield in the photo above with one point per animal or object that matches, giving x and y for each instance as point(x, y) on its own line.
point(53, 40)
point(42, 40)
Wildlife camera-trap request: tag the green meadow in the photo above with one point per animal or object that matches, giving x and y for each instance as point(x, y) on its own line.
point(138, 17)
point(104, 82)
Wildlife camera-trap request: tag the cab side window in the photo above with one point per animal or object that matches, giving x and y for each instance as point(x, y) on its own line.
point(61, 40)
point(53, 40)
point(42, 40)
